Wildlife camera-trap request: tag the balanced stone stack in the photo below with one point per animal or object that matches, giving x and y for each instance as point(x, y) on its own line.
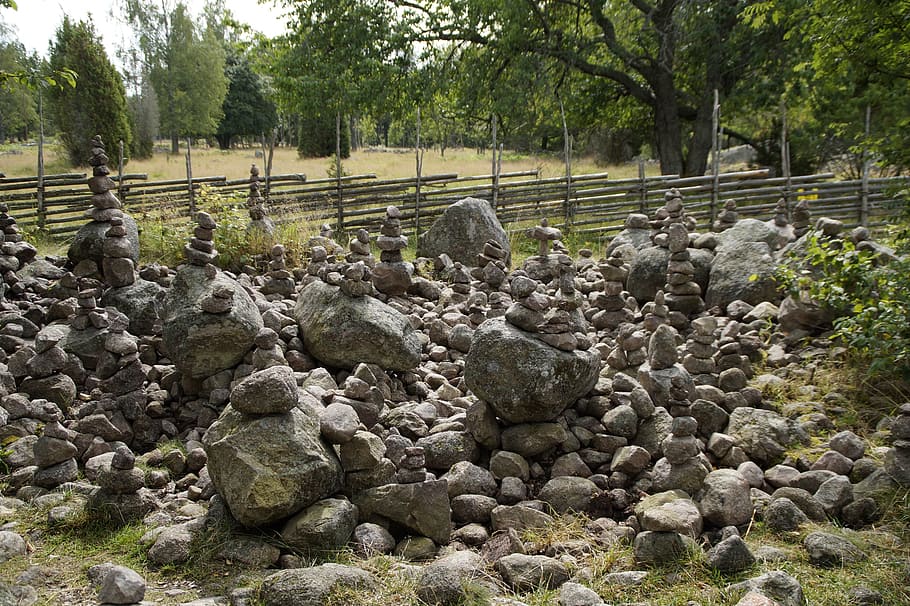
point(630, 350)
point(412, 467)
point(545, 235)
point(670, 213)
point(543, 266)
point(801, 218)
point(360, 249)
point(655, 312)
point(734, 367)
point(268, 352)
point(461, 281)
point(897, 460)
point(55, 457)
point(319, 260)
point(122, 496)
point(45, 372)
point(611, 303)
point(781, 215)
point(279, 282)
point(201, 249)
point(727, 217)
point(699, 359)
point(356, 280)
point(682, 467)
point(88, 314)
point(117, 266)
point(529, 306)
point(491, 265)
point(259, 216)
point(564, 326)
point(392, 276)
point(119, 367)
point(683, 293)
point(668, 383)
point(8, 226)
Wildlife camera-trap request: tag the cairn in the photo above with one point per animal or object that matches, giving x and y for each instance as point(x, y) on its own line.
point(491, 266)
point(268, 352)
point(279, 282)
point(727, 217)
point(630, 350)
point(461, 280)
point(55, 456)
point(8, 225)
point(412, 467)
point(585, 261)
point(672, 212)
point(700, 350)
point(655, 312)
point(119, 367)
point(475, 308)
point(325, 240)
point(117, 267)
point(104, 202)
point(45, 373)
point(801, 218)
point(360, 249)
point(611, 304)
point(682, 467)
point(122, 496)
point(564, 326)
point(781, 215)
point(683, 293)
point(544, 234)
point(201, 248)
point(255, 203)
point(529, 306)
point(356, 280)
point(392, 276)
point(88, 314)
point(319, 260)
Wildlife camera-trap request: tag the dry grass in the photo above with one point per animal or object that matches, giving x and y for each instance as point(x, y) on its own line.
point(19, 161)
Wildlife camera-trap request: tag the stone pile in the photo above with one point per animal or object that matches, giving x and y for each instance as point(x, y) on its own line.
point(10, 231)
point(631, 350)
point(460, 281)
point(801, 218)
point(668, 383)
point(119, 367)
point(683, 293)
point(117, 267)
point(360, 249)
point(268, 352)
point(45, 378)
point(897, 462)
point(392, 275)
point(682, 467)
point(255, 203)
point(121, 496)
point(700, 350)
point(88, 313)
point(319, 261)
point(529, 307)
point(613, 310)
point(325, 240)
point(200, 250)
point(279, 282)
point(356, 280)
point(55, 457)
point(492, 265)
point(655, 312)
point(726, 218)
point(672, 212)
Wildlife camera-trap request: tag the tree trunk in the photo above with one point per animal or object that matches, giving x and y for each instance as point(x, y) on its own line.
point(175, 144)
point(700, 145)
point(667, 125)
point(224, 141)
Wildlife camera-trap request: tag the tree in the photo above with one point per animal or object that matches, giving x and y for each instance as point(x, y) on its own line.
point(98, 105)
point(144, 116)
point(247, 109)
point(185, 65)
point(18, 111)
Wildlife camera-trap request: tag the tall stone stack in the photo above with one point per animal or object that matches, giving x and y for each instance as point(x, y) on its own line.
point(8, 226)
point(564, 326)
point(392, 275)
point(682, 466)
point(631, 350)
point(655, 312)
point(727, 217)
point(259, 214)
point(279, 282)
point(117, 267)
point(801, 218)
point(360, 249)
point(491, 265)
point(200, 250)
point(670, 213)
point(700, 350)
point(611, 302)
point(683, 293)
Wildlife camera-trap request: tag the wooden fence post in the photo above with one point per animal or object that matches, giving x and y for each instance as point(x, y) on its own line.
point(785, 159)
point(715, 157)
point(39, 193)
point(642, 187)
point(419, 162)
point(569, 208)
point(864, 191)
point(494, 185)
point(338, 171)
point(189, 177)
point(120, 172)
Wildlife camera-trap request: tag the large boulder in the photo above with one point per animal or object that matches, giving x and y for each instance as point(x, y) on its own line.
point(461, 232)
point(764, 435)
point(342, 331)
point(422, 508)
point(199, 343)
point(88, 240)
point(648, 271)
point(312, 586)
point(270, 467)
point(744, 271)
point(747, 230)
point(635, 236)
point(140, 301)
point(522, 378)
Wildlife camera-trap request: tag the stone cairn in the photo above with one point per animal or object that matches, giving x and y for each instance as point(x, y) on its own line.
point(727, 217)
point(55, 456)
point(392, 276)
point(683, 293)
point(681, 467)
point(655, 312)
point(356, 280)
point(781, 215)
point(325, 240)
point(259, 215)
point(897, 461)
point(491, 266)
point(8, 226)
point(279, 282)
point(360, 249)
point(88, 314)
point(670, 213)
point(268, 352)
point(527, 310)
point(45, 378)
point(611, 303)
point(630, 350)
point(200, 250)
point(564, 326)
point(104, 202)
point(117, 267)
point(412, 466)
point(700, 350)
point(119, 366)
point(120, 495)
point(801, 219)
point(545, 235)
point(319, 260)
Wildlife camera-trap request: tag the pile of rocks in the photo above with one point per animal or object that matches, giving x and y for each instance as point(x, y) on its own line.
point(392, 275)
point(801, 218)
point(611, 303)
point(279, 282)
point(255, 203)
point(492, 265)
point(360, 249)
point(727, 217)
point(683, 293)
point(200, 250)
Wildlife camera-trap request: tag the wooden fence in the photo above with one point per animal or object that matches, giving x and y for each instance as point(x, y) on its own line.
point(588, 204)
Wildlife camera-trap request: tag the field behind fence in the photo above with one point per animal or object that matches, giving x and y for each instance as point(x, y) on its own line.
point(583, 204)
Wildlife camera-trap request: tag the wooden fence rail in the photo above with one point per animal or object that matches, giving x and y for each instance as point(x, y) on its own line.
point(588, 204)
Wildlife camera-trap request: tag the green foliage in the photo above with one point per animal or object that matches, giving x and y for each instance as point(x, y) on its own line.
point(98, 105)
point(870, 299)
point(317, 137)
point(18, 105)
point(247, 109)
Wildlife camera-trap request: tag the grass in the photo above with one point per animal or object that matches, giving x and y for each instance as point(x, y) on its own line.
point(235, 163)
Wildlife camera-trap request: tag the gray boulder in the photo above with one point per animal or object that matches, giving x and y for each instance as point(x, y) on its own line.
point(422, 508)
point(747, 231)
point(449, 579)
point(311, 586)
point(461, 232)
point(764, 435)
point(826, 549)
point(202, 344)
point(569, 493)
point(260, 482)
point(342, 331)
point(141, 302)
point(323, 526)
point(744, 271)
point(11, 545)
point(523, 379)
point(657, 548)
point(777, 585)
point(730, 555)
point(121, 585)
point(88, 241)
point(726, 499)
point(671, 511)
point(528, 572)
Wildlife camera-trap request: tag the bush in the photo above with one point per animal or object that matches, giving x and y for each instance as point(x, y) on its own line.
point(871, 300)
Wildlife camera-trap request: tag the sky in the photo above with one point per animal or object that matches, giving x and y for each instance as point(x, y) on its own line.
point(36, 21)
